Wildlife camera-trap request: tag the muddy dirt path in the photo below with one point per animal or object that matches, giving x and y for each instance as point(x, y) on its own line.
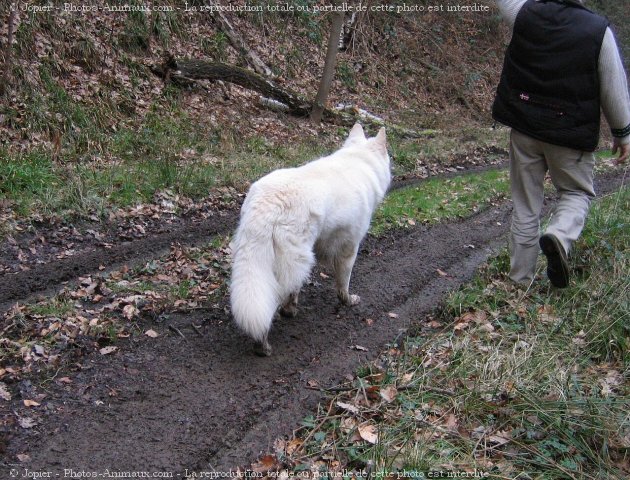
point(204, 401)
point(40, 260)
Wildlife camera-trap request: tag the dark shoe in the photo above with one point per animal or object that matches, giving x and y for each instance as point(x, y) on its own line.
point(557, 264)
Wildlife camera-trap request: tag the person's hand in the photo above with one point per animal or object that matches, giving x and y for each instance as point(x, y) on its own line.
point(624, 151)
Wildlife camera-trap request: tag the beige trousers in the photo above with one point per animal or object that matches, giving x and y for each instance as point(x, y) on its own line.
point(571, 172)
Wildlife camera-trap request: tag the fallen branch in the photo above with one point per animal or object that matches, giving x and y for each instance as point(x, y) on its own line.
point(176, 330)
point(366, 118)
point(239, 44)
point(187, 73)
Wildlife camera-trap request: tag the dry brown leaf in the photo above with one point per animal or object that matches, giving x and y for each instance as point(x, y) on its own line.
point(442, 273)
point(129, 311)
point(358, 347)
point(4, 392)
point(27, 422)
point(389, 393)
point(31, 403)
point(108, 350)
point(368, 433)
point(349, 407)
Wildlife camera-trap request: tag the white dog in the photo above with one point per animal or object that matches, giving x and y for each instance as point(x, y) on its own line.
point(292, 216)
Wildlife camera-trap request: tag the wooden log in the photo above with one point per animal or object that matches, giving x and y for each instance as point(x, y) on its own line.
point(183, 72)
point(187, 72)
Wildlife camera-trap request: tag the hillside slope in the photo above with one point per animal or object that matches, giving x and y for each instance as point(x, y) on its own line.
point(73, 68)
point(85, 126)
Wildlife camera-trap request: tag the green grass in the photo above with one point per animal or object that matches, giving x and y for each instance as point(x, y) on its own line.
point(57, 307)
point(516, 383)
point(438, 200)
point(98, 168)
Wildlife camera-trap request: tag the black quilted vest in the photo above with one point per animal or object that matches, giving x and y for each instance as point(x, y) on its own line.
point(549, 87)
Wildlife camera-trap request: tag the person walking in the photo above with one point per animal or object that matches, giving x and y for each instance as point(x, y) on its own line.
point(561, 67)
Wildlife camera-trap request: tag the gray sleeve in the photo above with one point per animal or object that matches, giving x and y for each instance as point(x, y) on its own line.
point(509, 9)
point(614, 96)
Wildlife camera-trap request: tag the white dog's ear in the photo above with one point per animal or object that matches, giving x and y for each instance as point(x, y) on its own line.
point(356, 135)
point(379, 143)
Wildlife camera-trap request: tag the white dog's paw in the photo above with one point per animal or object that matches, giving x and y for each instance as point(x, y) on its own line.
point(262, 349)
point(348, 299)
point(353, 300)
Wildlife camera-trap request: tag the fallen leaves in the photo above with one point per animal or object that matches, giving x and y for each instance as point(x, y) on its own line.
point(108, 350)
point(27, 422)
point(369, 433)
point(358, 347)
point(130, 311)
point(348, 407)
point(100, 309)
point(4, 392)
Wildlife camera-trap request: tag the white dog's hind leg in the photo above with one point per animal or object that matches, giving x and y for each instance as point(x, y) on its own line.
point(263, 348)
point(289, 307)
point(343, 270)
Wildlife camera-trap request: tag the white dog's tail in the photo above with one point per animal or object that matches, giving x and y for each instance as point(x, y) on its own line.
point(254, 290)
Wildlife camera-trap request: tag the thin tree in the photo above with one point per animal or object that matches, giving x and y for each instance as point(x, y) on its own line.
point(329, 68)
point(4, 79)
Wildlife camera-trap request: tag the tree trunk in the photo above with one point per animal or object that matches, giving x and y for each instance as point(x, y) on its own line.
point(329, 68)
point(6, 68)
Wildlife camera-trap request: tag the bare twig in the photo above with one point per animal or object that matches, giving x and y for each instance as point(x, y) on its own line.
point(197, 329)
point(176, 330)
point(320, 424)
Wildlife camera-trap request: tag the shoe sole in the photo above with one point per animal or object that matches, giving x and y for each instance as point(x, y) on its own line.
point(557, 265)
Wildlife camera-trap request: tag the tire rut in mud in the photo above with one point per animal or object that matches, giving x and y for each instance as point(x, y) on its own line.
point(47, 277)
